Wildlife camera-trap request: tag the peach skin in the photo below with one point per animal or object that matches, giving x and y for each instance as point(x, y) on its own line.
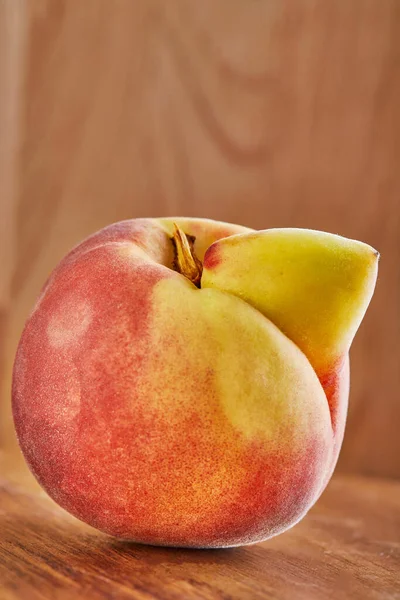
point(184, 382)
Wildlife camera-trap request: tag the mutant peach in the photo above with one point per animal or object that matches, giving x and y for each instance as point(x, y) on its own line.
point(184, 382)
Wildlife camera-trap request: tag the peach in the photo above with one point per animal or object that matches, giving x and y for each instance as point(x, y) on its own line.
point(184, 382)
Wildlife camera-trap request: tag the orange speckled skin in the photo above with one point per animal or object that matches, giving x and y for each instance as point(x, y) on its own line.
point(84, 410)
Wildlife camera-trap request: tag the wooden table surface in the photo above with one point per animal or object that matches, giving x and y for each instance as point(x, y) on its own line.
point(347, 547)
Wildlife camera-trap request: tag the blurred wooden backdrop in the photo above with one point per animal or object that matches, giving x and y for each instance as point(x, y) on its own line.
point(268, 113)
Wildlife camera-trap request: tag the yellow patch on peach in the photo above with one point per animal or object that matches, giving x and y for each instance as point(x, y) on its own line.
point(264, 383)
point(314, 286)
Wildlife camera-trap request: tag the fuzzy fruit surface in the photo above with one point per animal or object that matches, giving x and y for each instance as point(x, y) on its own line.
point(184, 382)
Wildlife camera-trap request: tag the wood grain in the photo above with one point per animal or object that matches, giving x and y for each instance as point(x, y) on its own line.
point(13, 23)
point(264, 113)
point(347, 547)
point(12, 46)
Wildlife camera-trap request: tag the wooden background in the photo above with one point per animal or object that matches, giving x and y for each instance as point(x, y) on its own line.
point(267, 113)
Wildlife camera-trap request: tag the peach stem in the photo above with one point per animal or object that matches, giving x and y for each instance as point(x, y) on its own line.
point(186, 261)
